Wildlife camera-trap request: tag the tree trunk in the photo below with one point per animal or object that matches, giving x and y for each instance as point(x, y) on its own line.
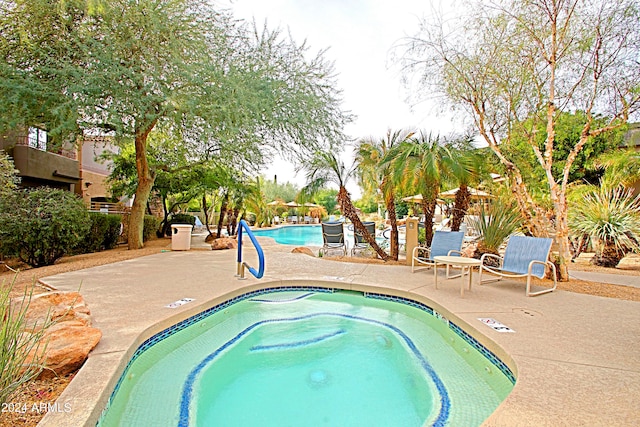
point(429, 209)
point(223, 212)
point(234, 220)
point(349, 211)
point(609, 256)
point(563, 246)
point(143, 190)
point(393, 219)
point(460, 207)
point(164, 225)
point(206, 213)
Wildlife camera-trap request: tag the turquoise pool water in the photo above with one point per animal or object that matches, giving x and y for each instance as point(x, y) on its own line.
point(300, 235)
point(303, 235)
point(308, 358)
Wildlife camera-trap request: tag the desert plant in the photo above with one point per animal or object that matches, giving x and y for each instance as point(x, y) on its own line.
point(9, 178)
point(41, 225)
point(103, 234)
point(610, 218)
point(16, 345)
point(151, 224)
point(494, 225)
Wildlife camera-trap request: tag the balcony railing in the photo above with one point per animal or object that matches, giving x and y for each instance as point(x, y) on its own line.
point(108, 208)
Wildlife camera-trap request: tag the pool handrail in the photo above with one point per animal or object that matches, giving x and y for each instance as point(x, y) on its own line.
point(241, 265)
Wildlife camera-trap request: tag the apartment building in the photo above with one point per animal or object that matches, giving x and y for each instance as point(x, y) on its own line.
point(73, 167)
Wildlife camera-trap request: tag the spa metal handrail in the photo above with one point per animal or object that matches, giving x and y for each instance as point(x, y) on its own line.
point(241, 265)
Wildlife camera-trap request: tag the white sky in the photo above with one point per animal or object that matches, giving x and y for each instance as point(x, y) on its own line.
point(358, 35)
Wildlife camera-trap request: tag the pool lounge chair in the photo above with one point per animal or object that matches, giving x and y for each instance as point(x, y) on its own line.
point(443, 243)
point(359, 242)
point(333, 237)
point(523, 256)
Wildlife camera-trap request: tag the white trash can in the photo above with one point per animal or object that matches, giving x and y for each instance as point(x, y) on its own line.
point(181, 237)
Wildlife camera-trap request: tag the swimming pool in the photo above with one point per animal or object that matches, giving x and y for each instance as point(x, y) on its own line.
point(304, 235)
point(306, 356)
point(300, 235)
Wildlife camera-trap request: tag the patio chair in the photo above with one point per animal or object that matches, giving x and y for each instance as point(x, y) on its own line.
point(359, 242)
point(523, 256)
point(333, 237)
point(443, 243)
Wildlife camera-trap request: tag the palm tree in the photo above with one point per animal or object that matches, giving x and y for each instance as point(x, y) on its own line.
point(376, 175)
point(422, 164)
point(325, 168)
point(466, 170)
point(255, 201)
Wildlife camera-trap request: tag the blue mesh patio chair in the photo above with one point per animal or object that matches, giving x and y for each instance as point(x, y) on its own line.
point(444, 243)
point(333, 237)
point(523, 257)
point(359, 242)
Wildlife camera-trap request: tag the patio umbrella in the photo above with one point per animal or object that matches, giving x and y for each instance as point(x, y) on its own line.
point(292, 205)
point(413, 199)
point(475, 194)
point(276, 203)
point(417, 199)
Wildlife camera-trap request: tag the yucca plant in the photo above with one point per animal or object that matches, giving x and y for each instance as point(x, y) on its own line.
point(495, 225)
point(16, 344)
point(610, 218)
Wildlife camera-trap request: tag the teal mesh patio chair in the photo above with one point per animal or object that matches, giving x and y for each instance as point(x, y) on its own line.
point(333, 237)
point(444, 243)
point(359, 243)
point(523, 257)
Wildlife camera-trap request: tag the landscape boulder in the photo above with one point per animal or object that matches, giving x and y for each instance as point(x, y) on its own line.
point(224, 243)
point(57, 307)
point(303, 250)
point(68, 345)
point(68, 336)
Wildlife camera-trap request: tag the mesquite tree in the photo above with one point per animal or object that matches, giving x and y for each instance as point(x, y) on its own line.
point(228, 90)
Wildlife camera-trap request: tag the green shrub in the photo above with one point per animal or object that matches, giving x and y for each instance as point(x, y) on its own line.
point(103, 234)
point(183, 219)
point(41, 225)
point(151, 224)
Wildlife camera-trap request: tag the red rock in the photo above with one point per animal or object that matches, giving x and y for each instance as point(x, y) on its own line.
point(224, 243)
point(303, 250)
point(68, 345)
point(57, 307)
point(68, 337)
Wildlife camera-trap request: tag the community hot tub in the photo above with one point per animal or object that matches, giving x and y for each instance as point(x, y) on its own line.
point(310, 356)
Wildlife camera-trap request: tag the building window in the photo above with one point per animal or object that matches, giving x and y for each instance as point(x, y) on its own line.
point(38, 139)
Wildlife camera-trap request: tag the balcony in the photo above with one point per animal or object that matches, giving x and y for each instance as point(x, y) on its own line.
point(38, 165)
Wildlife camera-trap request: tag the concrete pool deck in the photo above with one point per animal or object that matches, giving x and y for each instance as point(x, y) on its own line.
point(576, 356)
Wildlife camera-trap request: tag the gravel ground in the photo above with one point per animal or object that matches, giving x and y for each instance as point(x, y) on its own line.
point(29, 406)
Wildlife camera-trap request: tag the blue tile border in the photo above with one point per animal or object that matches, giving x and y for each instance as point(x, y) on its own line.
point(488, 354)
point(156, 338)
point(149, 342)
